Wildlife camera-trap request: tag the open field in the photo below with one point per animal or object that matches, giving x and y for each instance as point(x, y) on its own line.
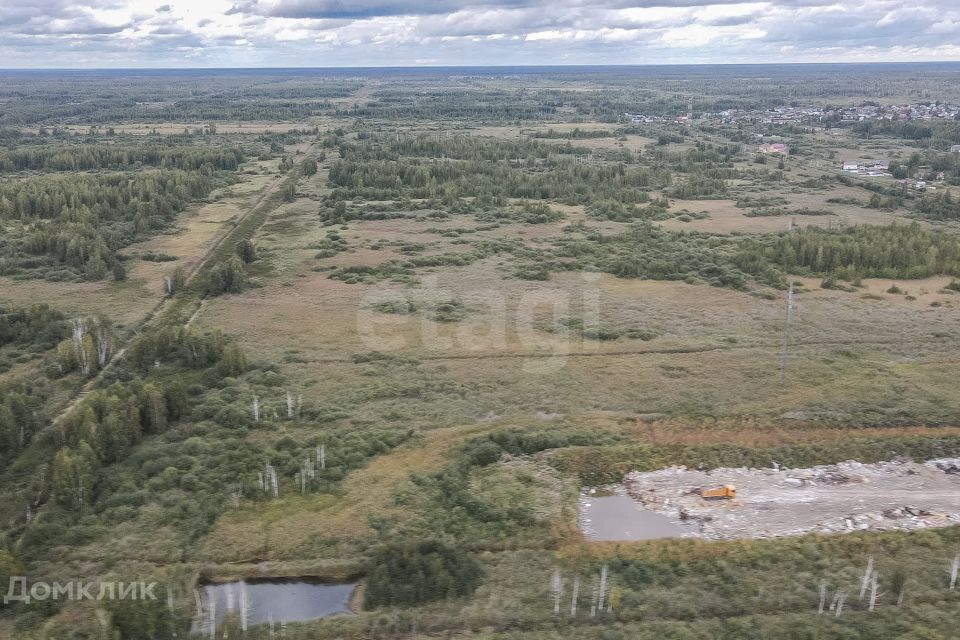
point(513, 332)
point(394, 334)
point(723, 216)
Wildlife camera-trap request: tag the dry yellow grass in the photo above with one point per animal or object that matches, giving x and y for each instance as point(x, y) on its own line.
point(195, 233)
point(281, 529)
point(8, 630)
point(496, 362)
point(124, 302)
point(725, 217)
point(746, 432)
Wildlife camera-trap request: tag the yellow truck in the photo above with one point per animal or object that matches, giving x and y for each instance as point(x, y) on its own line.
point(725, 492)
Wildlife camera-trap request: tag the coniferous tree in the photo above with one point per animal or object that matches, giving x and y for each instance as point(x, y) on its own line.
point(408, 574)
point(247, 251)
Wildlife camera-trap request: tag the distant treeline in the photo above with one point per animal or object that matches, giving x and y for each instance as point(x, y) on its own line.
point(576, 134)
point(80, 221)
point(392, 167)
point(568, 182)
point(493, 106)
point(460, 147)
point(895, 251)
point(91, 156)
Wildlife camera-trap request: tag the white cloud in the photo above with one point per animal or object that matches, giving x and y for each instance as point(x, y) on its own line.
point(701, 35)
point(554, 34)
point(388, 32)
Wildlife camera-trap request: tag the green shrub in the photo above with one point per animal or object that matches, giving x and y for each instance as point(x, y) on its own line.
point(414, 573)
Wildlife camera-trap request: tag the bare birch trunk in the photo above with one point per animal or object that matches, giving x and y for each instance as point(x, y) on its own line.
point(873, 592)
point(603, 587)
point(865, 581)
point(573, 598)
point(556, 585)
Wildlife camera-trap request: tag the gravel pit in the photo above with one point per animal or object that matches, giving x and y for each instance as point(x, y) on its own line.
point(839, 498)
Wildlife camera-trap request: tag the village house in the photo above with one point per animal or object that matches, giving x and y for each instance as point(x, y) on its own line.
point(775, 147)
point(877, 168)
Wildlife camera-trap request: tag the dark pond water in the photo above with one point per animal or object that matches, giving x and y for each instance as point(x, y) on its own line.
point(275, 600)
point(611, 518)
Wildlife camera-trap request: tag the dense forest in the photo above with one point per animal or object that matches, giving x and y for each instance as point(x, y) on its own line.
point(76, 223)
point(37, 326)
point(897, 251)
point(119, 157)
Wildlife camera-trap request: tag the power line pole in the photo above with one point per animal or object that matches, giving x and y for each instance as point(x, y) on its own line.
point(786, 334)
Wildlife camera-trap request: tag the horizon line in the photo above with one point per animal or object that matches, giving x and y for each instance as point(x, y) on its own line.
point(493, 66)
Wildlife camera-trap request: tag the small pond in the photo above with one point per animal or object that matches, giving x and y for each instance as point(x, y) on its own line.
point(620, 518)
point(275, 600)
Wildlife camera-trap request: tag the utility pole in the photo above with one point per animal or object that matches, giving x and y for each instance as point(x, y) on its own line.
point(786, 335)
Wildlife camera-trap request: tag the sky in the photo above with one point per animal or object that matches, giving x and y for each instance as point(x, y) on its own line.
point(337, 33)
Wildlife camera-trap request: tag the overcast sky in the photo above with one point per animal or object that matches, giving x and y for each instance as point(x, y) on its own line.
point(318, 33)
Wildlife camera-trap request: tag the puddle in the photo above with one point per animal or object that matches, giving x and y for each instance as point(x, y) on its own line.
point(544, 415)
point(620, 518)
point(274, 600)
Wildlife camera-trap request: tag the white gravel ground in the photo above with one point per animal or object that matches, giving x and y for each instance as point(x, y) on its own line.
point(849, 496)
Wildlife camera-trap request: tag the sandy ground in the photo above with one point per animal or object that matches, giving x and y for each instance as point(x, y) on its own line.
point(837, 498)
